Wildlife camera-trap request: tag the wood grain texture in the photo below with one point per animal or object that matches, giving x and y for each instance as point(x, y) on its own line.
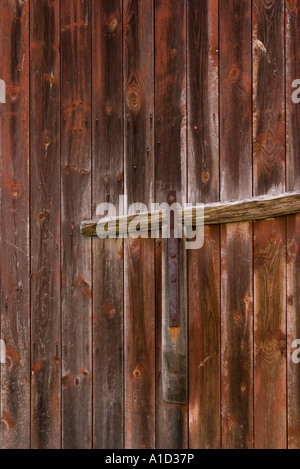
point(203, 101)
point(293, 329)
point(204, 343)
point(236, 240)
point(293, 222)
point(256, 208)
point(235, 100)
point(292, 56)
point(270, 334)
point(15, 249)
point(269, 244)
point(139, 344)
point(145, 97)
point(45, 225)
point(108, 256)
point(170, 158)
point(237, 340)
point(268, 97)
point(139, 291)
point(76, 266)
point(203, 186)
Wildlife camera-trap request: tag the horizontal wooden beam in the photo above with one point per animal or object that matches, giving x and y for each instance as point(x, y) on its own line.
point(256, 208)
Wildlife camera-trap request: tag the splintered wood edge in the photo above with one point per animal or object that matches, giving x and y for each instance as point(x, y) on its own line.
point(256, 208)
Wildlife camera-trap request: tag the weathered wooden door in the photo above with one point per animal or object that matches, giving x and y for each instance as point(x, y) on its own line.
point(149, 98)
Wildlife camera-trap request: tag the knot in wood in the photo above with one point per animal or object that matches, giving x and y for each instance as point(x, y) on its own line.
point(15, 191)
point(133, 99)
point(235, 74)
point(112, 25)
point(137, 374)
point(108, 110)
point(205, 177)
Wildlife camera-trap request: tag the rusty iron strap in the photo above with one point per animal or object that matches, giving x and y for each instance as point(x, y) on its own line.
point(173, 269)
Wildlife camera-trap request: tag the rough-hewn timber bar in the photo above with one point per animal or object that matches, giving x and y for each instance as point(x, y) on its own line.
point(256, 208)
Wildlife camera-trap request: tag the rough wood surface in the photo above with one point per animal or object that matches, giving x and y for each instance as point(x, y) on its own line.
point(76, 268)
point(268, 97)
point(45, 225)
point(236, 240)
point(139, 281)
point(170, 162)
point(269, 236)
point(108, 387)
point(256, 208)
point(236, 338)
point(203, 185)
point(270, 335)
point(203, 101)
point(293, 222)
point(104, 97)
point(15, 249)
point(204, 343)
point(293, 329)
point(292, 56)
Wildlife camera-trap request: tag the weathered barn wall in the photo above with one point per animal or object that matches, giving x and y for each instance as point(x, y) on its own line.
point(142, 97)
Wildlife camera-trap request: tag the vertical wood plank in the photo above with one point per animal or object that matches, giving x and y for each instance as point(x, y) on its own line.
point(45, 224)
point(270, 334)
point(293, 329)
point(139, 292)
point(203, 186)
point(170, 128)
point(237, 341)
point(15, 244)
point(108, 176)
point(236, 240)
point(269, 246)
point(76, 206)
point(268, 97)
point(293, 222)
point(204, 343)
point(292, 56)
